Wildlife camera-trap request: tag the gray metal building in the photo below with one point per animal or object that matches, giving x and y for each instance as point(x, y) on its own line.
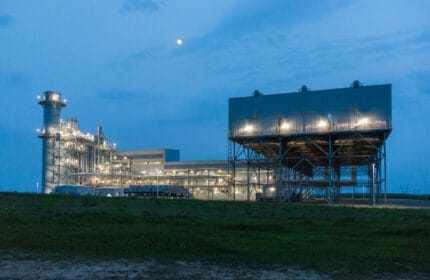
point(313, 142)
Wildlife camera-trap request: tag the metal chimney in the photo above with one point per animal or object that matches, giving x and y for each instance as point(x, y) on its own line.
point(50, 135)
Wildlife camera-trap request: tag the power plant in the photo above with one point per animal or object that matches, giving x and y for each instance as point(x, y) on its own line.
point(306, 145)
point(67, 151)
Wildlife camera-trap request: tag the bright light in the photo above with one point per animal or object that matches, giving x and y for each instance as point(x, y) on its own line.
point(272, 189)
point(38, 97)
point(322, 124)
point(285, 126)
point(248, 128)
point(363, 121)
point(125, 157)
point(65, 100)
point(38, 130)
point(179, 42)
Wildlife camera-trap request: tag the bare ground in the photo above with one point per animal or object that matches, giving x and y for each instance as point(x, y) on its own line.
point(26, 267)
point(36, 268)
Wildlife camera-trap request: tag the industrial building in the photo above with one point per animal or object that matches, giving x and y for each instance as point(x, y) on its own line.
point(312, 143)
point(290, 146)
point(68, 154)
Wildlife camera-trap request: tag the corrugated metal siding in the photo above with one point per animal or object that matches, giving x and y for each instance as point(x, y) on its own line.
point(304, 110)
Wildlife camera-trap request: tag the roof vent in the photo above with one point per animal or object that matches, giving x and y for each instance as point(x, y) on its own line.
point(356, 84)
point(256, 93)
point(304, 88)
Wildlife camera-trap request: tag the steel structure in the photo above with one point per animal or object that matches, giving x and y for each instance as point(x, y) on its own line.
point(75, 162)
point(68, 154)
point(311, 144)
point(303, 145)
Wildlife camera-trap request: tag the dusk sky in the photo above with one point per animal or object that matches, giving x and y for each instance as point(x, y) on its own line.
point(118, 65)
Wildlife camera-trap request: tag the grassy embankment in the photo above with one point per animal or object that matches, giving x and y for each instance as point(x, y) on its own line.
point(324, 238)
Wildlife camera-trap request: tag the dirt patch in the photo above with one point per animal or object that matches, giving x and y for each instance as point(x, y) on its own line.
point(27, 267)
point(12, 267)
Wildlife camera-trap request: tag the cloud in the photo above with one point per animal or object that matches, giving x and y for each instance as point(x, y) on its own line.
point(127, 59)
point(141, 55)
point(15, 79)
point(5, 20)
point(255, 20)
point(141, 5)
point(126, 96)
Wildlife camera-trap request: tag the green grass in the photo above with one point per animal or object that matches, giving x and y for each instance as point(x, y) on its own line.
point(324, 238)
point(358, 196)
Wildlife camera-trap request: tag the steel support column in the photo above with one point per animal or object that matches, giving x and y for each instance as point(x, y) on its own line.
point(330, 169)
point(385, 170)
point(279, 175)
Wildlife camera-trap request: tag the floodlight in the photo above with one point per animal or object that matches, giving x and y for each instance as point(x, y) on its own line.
point(322, 124)
point(248, 128)
point(363, 121)
point(285, 126)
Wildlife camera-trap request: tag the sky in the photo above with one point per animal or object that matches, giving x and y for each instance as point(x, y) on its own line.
point(118, 65)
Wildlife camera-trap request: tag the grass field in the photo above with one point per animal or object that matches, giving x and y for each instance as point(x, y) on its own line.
point(329, 239)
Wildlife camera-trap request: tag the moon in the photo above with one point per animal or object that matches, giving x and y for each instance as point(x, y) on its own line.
point(179, 41)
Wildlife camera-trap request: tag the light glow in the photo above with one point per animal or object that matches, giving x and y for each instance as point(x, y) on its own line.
point(248, 128)
point(363, 121)
point(285, 126)
point(179, 41)
point(322, 124)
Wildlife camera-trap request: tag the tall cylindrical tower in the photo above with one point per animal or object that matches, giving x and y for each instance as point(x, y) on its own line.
point(52, 105)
